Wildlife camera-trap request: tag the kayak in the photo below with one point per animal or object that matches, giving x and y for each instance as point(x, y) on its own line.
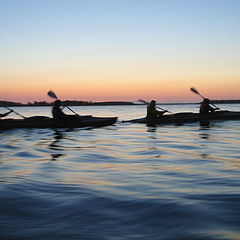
point(47, 122)
point(186, 117)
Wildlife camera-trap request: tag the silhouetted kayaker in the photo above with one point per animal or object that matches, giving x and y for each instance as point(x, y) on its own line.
point(152, 112)
point(5, 114)
point(58, 114)
point(205, 107)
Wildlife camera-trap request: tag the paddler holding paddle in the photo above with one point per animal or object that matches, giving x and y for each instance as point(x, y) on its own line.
point(152, 112)
point(58, 114)
point(205, 107)
point(57, 109)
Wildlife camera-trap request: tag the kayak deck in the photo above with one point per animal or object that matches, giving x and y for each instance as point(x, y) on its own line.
point(46, 122)
point(186, 117)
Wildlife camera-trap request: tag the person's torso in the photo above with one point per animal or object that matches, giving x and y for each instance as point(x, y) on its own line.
point(151, 112)
point(57, 113)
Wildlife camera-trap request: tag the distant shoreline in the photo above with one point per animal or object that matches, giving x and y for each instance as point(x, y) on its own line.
point(110, 103)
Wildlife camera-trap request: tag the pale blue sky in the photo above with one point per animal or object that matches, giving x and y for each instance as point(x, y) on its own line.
point(123, 23)
point(46, 35)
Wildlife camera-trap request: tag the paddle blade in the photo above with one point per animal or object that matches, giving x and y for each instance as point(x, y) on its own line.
point(143, 101)
point(52, 94)
point(194, 90)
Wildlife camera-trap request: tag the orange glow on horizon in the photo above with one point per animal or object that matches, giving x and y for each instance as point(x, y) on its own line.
point(162, 88)
point(111, 56)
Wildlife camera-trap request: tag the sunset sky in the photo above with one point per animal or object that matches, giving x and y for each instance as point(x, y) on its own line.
point(109, 50)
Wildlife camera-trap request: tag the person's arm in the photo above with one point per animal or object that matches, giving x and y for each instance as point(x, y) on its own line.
point(161, 112)
point(211, 109)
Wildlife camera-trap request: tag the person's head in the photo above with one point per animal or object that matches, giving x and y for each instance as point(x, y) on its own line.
point(206, 100)
point(57, 103)
point(153, 102)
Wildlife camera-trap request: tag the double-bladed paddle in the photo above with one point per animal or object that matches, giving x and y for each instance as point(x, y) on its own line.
point(53, 95)
point(145, 102)
point(194, 90)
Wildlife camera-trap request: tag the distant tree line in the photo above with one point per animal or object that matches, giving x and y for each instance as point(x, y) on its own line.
point(9, 104)
point(89, 103)
point(226, 101)
point(67, 102)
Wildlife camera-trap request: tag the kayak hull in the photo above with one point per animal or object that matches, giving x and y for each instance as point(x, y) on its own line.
point(188, 117)
point(46, 122)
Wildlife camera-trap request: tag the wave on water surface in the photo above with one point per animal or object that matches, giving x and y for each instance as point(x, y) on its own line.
point(126, 181)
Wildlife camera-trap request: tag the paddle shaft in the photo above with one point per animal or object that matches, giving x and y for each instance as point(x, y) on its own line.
point(210, 102)
point(71, 110)
point(201, 95)
point(15, 112)
point(160, 108)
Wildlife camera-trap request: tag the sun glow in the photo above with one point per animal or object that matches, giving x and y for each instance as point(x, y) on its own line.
point(108, 57)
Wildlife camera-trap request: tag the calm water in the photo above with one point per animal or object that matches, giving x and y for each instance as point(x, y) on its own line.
point(126, 181)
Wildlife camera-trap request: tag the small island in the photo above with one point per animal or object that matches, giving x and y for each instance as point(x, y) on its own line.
point(90, 103)
point(67, 102)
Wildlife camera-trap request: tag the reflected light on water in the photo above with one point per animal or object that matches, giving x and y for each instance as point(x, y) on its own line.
point(127, 180)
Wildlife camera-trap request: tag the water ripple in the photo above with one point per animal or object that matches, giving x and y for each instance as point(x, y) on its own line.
point(127, 181)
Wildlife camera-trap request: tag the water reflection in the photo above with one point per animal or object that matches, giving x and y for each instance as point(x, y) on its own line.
point(151, 128)
point(204, 135)
point(204, 124)
point(55, 156)
point(205, 155)
point(153, 148)
point(204, 127)
point(183, 181)
point(58, 136)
